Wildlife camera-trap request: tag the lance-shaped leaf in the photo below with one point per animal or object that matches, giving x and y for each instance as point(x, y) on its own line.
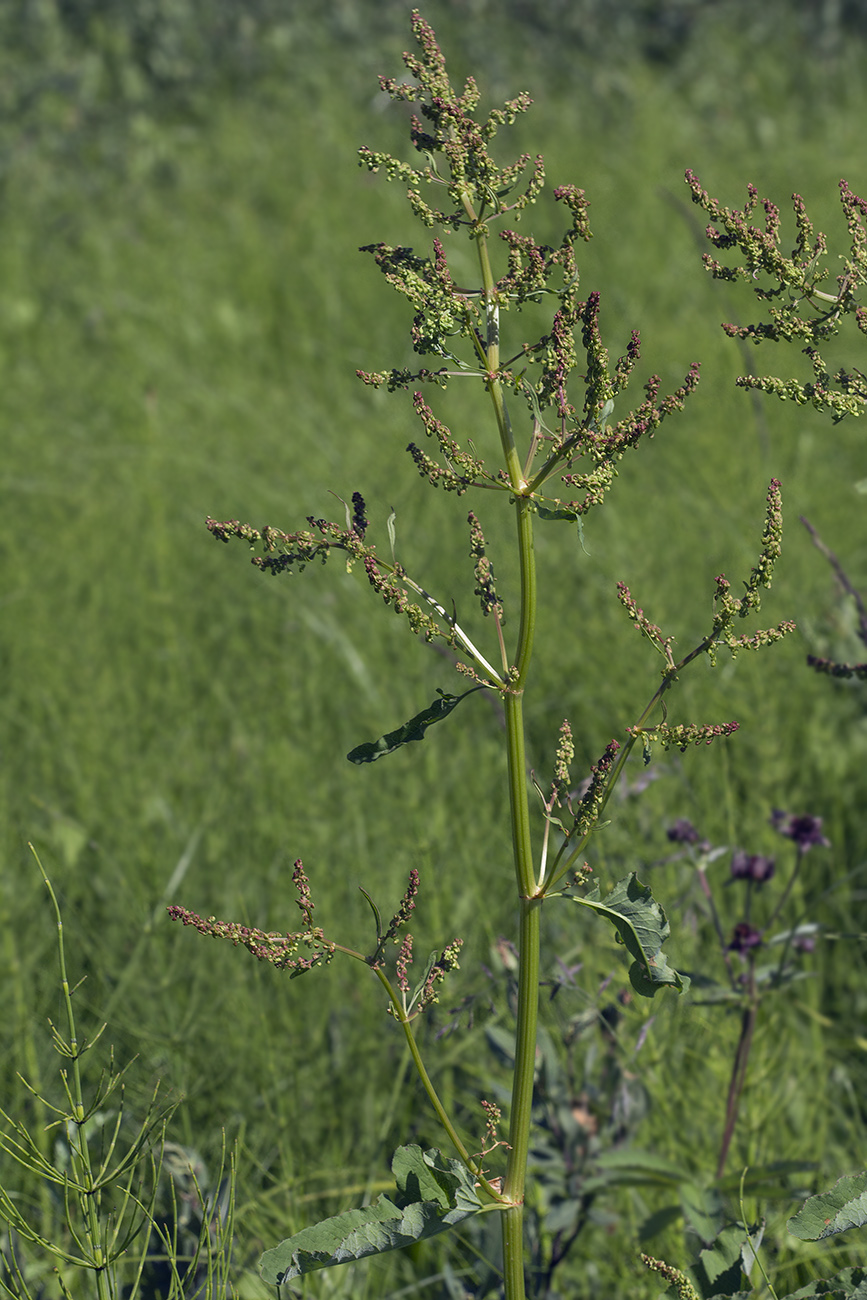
point(843, 1207)
point(433, 1194)
point(570, 513)
point(371, 750)
point(643, 927)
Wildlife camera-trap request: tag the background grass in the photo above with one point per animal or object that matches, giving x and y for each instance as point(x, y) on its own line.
point(182, 312)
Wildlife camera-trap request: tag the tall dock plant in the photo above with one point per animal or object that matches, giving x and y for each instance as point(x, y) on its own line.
point(560, 425)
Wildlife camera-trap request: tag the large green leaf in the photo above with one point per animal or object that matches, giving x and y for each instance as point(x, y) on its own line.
point(433, 1194)
point(703, 1211)
point(371, 750)
point(642, 926)
point(844, 1207)
point(851, 1283)
point(732, 1254)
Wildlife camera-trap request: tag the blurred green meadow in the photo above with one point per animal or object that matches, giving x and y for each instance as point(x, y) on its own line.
point(182, 312)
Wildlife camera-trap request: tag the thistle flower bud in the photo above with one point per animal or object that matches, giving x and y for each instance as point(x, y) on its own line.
point(752, 866)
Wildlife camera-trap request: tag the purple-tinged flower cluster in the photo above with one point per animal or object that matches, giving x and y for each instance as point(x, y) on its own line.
point(404, 961)
point(752, 866)
point(406, 908)
point(806, 831)
point(447, 961)
point(683, 832)
point(744, 938)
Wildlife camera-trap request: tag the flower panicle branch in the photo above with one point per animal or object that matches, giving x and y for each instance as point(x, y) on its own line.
point(483, 571)
point(850, 400)
point(281, 950)
point(392, 932)
point(531, 265)
point(601, 444)
point(450, 135)
point(647, 418)
point(442, 312)
point(585, 805)
point(677, 1281)
point(302, 888)
point(403, 963)
point(833, 668)
point(592, 801)
point(586, 436)
point(562, 762)
point(292, 552)
point(461, 470)
point(760, 245)
point(681, 735)
point(559, 793)
point(401, 379)
point(798, 309)
point(728, 608)
point(405, 908)
point(414, 1002)
point(493, 1115)
point(447, 961)
point(555, 353)
point(643, 624)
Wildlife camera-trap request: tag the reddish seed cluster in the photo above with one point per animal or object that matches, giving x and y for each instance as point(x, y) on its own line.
point(277, 949)
point(796, 290)
point(407, 906)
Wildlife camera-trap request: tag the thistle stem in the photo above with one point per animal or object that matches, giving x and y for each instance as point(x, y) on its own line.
point(739, 1073)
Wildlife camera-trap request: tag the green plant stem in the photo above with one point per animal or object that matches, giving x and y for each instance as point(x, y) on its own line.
point(717, 924)
point(23, 1025)
point(513, 1252)
point(441, 1113)
point(756, 1256)
point(79, 1150)
point(525, 1049)
point(784, 896)
point(739, 1071)
point(530, 903)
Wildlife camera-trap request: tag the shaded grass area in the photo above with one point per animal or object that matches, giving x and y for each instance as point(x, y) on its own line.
point(179, 338)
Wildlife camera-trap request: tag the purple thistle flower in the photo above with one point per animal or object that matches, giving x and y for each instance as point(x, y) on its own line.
point(744, 938)
point(752, 866)
point(804, 830)
point(683, 832)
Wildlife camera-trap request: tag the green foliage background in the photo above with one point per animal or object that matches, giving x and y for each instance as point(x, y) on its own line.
point(182, 311)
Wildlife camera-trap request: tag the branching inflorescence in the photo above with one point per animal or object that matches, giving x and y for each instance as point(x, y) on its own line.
point(799, 310)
